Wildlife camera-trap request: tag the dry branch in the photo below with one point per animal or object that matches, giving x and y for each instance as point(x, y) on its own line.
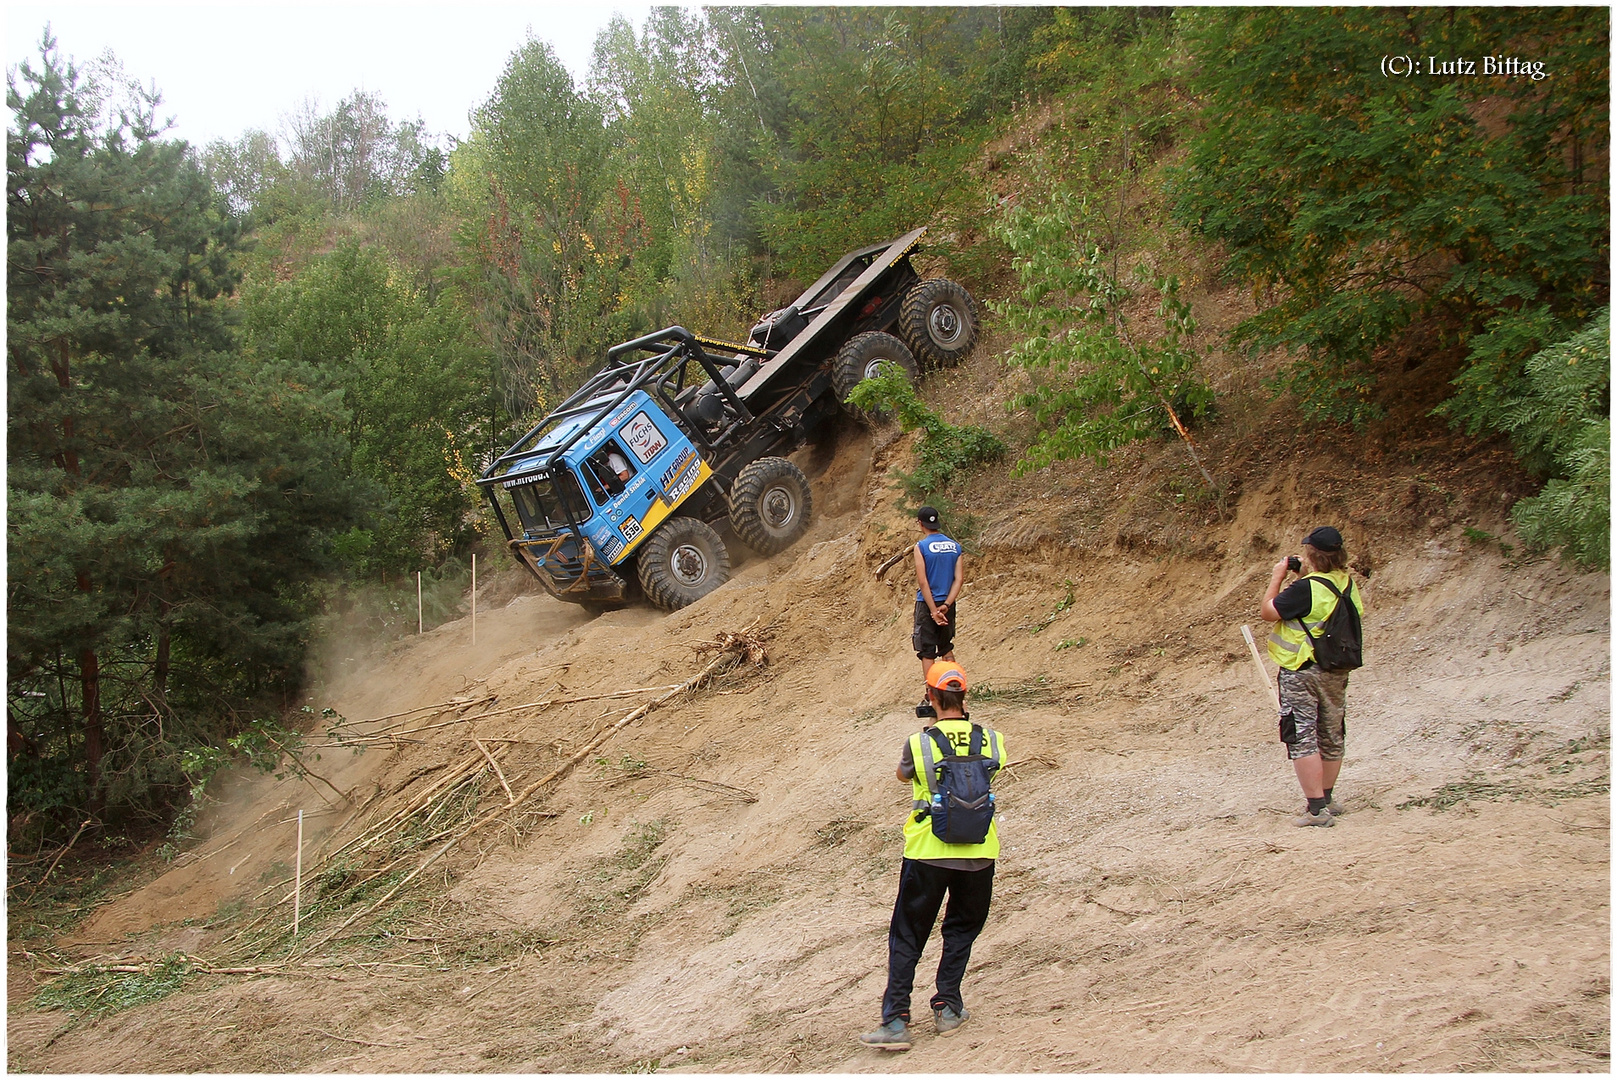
point(731, 646)
point(530, 705)
point(724, 789)
point(495, 765)
point(892, 562)
point(68, 847)
point(358, 1042)
point(452, 703)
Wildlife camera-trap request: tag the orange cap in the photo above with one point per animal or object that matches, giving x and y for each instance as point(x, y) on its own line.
point(946, 675)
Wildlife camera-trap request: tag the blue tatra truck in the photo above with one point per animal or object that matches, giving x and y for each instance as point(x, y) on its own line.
point(622, 484)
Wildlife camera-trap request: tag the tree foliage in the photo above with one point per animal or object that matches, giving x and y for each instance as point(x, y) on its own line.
point(1371, 204)
point(529, 185)
point(417, 390)
point(880, 111)
point(1096, 385)
point(1561, 425)
point(169, 502)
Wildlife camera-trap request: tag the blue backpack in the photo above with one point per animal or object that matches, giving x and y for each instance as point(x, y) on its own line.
point(962, 804)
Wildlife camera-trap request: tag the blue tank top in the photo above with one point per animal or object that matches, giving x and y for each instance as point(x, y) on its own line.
point(939, 553)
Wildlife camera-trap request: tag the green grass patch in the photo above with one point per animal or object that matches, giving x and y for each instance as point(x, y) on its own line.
point(97, 989)
point(1475, 788)
point(1035, 691)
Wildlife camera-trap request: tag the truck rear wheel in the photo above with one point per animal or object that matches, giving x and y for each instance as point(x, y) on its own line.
point(682, 562)
point(938, 321)
point(770, 505)
point(862, 357)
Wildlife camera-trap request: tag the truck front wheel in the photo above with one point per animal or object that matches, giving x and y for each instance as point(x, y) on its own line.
point(770, 505)
point(938, 321)
point(862, 357)
point(682, 562)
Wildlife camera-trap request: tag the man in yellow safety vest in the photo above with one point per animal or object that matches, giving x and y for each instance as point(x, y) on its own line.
point(1313, 700)
point(933, 869)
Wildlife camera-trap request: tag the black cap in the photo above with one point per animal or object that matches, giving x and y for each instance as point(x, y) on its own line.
point(1324, 538)
point(926, 515)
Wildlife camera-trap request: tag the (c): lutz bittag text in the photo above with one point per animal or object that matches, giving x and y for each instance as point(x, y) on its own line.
point(1496, 67)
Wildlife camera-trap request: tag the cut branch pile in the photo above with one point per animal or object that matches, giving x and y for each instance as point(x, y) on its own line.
point(427, 815)
point(750, 642)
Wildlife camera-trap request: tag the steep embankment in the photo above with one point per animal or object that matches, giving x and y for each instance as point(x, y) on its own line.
point(710, 890)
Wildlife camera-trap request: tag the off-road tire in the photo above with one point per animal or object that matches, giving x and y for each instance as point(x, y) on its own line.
point(682, 562)
point(860, 357)
point(770, 505)
point(938, 321)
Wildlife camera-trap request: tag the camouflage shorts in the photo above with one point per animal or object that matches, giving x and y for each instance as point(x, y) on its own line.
point(1313, 713)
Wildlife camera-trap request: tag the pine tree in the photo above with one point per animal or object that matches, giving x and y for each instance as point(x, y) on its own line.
point(169, 502)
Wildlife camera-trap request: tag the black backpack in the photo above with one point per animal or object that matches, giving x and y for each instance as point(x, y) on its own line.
point(1340, 645)
point(962, 805)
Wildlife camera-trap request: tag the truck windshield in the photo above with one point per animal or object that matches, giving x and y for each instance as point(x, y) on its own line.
point(540, 503)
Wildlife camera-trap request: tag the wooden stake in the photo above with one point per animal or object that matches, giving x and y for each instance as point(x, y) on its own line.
point(297, 889)
point(420, 623)
point(1269, 689)
point(474, 598)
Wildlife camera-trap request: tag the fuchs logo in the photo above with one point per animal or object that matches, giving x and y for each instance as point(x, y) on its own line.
point(644, 438)
point(686, 456)
point(684, 483)
point(631, 528)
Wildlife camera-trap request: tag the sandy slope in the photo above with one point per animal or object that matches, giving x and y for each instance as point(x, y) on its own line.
point(1154, 909)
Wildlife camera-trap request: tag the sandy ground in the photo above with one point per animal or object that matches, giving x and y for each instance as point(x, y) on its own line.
point(723, 906)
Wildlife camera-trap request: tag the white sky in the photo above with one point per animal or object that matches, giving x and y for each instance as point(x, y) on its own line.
point(223, 68)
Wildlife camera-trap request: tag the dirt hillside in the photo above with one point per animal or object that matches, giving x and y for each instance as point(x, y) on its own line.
point(709, 889)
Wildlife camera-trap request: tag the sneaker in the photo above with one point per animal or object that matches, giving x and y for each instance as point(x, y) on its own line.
point(948, 1020)
point(925, 711)
point(1336, 809)
point(1322, 818)
point(893, 1035)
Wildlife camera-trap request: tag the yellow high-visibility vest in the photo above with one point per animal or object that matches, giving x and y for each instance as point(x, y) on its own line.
point(920, 842)
point(1288, 645)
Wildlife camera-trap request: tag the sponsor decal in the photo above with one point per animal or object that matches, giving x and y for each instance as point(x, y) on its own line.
point(644, 440)
point(631, 528)
point(519, 481)
point(612, 549)
point(686, 481)
point(686, 456)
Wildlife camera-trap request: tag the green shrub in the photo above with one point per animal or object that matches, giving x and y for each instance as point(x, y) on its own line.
point(1561, 426)
point(1096, 386)
point(944, 451)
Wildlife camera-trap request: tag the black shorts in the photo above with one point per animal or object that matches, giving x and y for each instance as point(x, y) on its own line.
point(929, 639)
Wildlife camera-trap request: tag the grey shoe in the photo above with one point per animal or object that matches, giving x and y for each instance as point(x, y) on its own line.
point(893, 1035)
point(1336, 809)
point(948, 1020)
point(1323, 818)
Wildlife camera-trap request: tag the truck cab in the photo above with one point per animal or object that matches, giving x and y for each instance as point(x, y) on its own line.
point(588, 493)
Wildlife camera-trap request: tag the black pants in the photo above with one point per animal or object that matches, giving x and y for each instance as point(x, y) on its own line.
point(921, 888)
